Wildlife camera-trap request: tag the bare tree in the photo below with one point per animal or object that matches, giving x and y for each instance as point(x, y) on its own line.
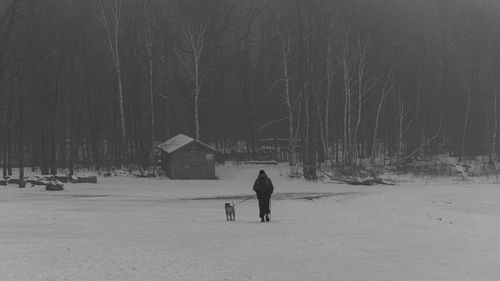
point(404, 124)
point(492, 129)
point(22, 183)
point(195, 36)
point(425, 143)
point(386, 89)
point(8, 19)
point(286, 45)
point(148, 37)
point(8, 133)
point(285, 53)
point(466, 120)
point(112, 23)
point(331, 71)
point(347, 68)
point(364, 84)
point(330, 74)
point(357, 85)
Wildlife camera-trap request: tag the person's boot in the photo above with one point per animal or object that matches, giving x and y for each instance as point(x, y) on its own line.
point(267, 218)
point(262, 219)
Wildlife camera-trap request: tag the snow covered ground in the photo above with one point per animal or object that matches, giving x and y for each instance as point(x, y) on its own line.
point(128, 228)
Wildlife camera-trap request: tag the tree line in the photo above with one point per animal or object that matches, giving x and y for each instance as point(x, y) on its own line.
point(102, 82)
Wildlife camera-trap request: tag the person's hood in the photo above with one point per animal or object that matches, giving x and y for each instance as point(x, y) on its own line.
point(262, 176)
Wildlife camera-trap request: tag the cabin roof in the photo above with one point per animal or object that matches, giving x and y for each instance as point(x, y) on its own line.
point(180, 141)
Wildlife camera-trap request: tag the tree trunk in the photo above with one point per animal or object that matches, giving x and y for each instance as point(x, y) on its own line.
point(113, 32)
point(53, 121)
point(72, 135)
point(245, 89)
point(291, 136)
point(196, 40)
point(44, 164)
point(492, 132)
point(311, 133)
point(286, 44)
point(330, 72)
point(346, 155)
point(493, 158)
point(122, 111)
point(8, 127)
point(388, 85)
point(53, 152)
point(22, 183)
point(323, 139)
point(401, 111)
point(4, 160)
point(466, 122)
point(196, 99)
point(148, 13)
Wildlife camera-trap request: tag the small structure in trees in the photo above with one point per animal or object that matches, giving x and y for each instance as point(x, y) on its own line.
point(183, 157)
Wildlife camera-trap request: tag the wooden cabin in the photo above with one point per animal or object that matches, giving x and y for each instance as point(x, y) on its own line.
point(183, 157)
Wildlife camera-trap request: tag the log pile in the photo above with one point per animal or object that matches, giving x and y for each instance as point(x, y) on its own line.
point(54, 186)
point(262, 162)
point(368, 180)
point(83, 179)
point(51, 182)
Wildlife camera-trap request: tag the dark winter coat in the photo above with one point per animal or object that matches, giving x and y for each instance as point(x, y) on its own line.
point(263, 185)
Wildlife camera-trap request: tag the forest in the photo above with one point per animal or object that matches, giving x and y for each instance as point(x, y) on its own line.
point(100, 83)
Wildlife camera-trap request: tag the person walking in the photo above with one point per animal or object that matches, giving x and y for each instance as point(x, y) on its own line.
point(264, 188)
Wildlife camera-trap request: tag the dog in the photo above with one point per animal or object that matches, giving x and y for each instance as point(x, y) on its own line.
point(230, 212)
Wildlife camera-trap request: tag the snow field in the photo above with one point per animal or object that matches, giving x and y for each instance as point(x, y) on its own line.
point(151, 229)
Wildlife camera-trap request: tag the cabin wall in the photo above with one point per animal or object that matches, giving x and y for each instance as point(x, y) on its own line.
point(193, 161)
point(193, 165)
point(167, 164)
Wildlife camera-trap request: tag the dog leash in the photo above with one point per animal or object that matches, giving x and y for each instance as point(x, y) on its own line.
point(244, 200)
